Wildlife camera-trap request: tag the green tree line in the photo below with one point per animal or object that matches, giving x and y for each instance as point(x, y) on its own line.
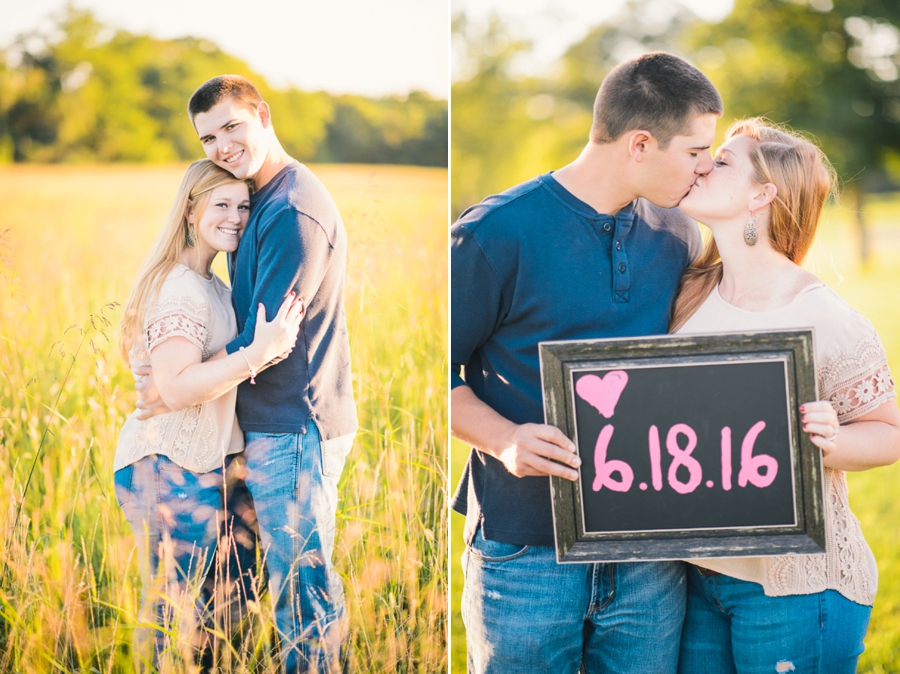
point(85, 92)
point(827, 67)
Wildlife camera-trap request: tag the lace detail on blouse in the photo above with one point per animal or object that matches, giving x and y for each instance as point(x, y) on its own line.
point(842, 568)
point(858, 381)
point(179, 316)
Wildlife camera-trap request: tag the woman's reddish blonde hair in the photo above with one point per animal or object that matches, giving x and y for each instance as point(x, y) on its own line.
point(803, 178)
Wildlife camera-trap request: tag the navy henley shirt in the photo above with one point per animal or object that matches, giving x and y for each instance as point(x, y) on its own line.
point(536, 264)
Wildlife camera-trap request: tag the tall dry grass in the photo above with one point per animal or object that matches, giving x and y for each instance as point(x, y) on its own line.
point(69, 586)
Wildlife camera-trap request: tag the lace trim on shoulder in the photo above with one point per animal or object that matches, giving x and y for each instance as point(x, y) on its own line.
point(859, 381)
point(177, 325)
point(179, 315)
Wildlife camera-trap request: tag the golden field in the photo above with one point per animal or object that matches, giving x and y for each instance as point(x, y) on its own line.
point(73, 238)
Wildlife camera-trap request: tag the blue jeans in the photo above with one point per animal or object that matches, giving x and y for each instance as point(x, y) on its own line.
point(175, 516)
point(524, 613)
point(732, 626)
point(293, 482)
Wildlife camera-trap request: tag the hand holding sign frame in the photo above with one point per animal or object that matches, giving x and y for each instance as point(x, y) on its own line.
point(691, 446)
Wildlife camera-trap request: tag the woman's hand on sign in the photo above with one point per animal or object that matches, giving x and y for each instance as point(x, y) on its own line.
point(539, 449)
point(821, 422)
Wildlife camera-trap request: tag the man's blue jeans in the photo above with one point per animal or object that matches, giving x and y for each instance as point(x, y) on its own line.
point(732, 626)
point(293, 483)
point(524, 613)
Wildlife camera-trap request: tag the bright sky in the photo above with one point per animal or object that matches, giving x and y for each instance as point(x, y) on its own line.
point(552, 26)
point(369, 47)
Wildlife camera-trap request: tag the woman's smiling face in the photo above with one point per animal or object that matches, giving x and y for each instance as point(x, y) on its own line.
point(220, 224)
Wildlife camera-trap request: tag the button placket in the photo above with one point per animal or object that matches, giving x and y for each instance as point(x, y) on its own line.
point(622, 270)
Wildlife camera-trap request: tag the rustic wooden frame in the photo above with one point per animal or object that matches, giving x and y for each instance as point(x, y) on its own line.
point(794, 347)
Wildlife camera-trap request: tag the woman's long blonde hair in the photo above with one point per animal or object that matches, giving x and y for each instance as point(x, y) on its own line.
point(803, 177)
point(201, 178)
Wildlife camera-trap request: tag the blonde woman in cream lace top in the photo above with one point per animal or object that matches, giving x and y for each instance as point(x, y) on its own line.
point(804, 613)
point(169, 468)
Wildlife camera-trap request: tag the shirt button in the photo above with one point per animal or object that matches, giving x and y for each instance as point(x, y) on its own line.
point(622, 267)
point(607, 227)
point(618, 245)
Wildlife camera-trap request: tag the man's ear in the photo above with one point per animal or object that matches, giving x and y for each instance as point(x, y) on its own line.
point(265, 115)
point(639, 143)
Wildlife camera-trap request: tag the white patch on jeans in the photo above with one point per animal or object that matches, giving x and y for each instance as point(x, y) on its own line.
point(784, 666)
point(334, 454)
point(492, 594)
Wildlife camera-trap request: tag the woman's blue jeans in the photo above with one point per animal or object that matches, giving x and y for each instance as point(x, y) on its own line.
point(175, 516)
point(524, 613)
point(732, 626)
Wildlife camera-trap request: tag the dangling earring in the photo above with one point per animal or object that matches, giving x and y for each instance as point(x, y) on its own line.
point(750, 231)
point(189, 238)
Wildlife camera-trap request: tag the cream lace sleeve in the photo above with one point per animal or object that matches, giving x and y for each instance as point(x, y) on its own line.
point(856, 379)
point(180, 310)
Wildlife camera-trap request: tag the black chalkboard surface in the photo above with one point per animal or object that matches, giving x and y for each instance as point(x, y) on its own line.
point(691, 446)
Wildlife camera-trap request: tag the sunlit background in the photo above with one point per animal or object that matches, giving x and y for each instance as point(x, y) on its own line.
point(347, 81)
point(340, 46)
point(524, 77)
point(551, 27)
point(94, 140)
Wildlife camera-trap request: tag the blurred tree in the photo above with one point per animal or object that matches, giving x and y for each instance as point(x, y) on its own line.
point(489, 124)
point(390, 130)
point(508, 128)
point(828, 68)
point(86, 92)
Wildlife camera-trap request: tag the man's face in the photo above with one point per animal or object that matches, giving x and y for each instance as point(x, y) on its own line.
point(670, 174)
point(234, 137)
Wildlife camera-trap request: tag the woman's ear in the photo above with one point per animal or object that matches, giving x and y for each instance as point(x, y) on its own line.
point(763, 196)
point(189, 215)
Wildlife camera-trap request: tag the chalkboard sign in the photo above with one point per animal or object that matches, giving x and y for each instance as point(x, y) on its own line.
point(691, 446)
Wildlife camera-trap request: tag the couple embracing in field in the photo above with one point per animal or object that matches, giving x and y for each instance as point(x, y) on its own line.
point(608, 246)
point(242, 390)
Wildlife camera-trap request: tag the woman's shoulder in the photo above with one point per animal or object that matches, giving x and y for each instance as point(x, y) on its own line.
point(833, 312)
point(181, 280)
point(841, 330)
point(181, 291)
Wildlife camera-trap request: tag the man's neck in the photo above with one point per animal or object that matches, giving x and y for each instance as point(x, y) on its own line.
point(596, 178)
point(276, 160)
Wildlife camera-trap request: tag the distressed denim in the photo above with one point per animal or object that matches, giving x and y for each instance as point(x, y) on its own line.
point(732, 626)
point(524, 613)
point(175, 516)
point(293, 482)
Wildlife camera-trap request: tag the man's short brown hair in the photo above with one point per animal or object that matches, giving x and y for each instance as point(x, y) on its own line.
point(212, 92)
point(656, 92)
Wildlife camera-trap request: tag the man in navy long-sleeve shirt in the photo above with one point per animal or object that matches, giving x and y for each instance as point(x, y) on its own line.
point(588, 251)
point(298, 418)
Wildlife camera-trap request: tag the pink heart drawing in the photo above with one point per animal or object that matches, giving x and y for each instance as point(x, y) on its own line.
point(603, 394)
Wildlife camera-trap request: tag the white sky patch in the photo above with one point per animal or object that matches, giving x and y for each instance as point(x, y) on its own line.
point(553, 26)
point(340, 46)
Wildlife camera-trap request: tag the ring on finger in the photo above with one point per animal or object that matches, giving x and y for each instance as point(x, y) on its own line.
point(837, 429)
